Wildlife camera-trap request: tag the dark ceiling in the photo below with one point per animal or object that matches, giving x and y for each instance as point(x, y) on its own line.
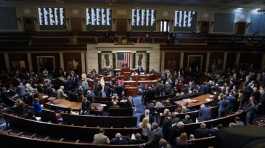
point(178, 2)
point(193, 2)
point(260, 3)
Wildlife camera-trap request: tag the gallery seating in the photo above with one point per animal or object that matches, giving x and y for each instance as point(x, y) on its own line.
point(18, 138)
point(15, 138)
point(81, 132)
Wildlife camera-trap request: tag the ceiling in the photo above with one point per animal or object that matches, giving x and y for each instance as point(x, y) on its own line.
point(260, 3)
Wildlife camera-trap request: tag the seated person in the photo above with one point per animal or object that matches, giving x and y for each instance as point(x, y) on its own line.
point(203, 131)
point(100, 138)
point(19, 107)
point(187, 119)
point(124, 102)
point(159, 105)
point(136, 139)
point(115, 101)
point(182, 140)
point(119, 140)
point(60, 93)
point(163, 143)
point(57, 118)
point(237, 122)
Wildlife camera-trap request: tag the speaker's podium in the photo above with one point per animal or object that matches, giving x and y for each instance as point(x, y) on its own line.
point(131, 88)
point(126, 72)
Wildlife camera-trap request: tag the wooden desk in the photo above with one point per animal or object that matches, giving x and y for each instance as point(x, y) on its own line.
point(97, 107)
point(145, 77)
point(43, 98)
point(76, 106)
point(197, 101)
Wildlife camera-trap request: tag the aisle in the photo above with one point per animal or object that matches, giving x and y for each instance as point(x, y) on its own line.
point(139, 107)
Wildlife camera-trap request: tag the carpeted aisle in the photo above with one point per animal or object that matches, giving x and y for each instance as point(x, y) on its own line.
point(139, 107)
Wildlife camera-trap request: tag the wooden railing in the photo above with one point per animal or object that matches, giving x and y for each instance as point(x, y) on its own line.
point(169, 39)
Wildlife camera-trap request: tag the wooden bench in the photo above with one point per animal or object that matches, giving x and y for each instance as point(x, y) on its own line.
point(62, 130)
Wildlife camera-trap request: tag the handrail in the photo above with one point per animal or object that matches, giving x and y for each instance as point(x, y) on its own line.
point(55, 124)
point(2, 132)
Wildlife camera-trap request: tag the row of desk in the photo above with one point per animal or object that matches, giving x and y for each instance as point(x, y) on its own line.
point(76, 106)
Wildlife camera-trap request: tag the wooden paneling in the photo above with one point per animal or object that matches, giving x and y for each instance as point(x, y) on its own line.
point(29, 24)
point(172, 60)
point(250, 61)
point(204, 26)
point(46, 64)
point(231, 60)
point(72, 61)
point(18, 61)
point(2, 61)
point(190, 61)
point(121, 25)
point(216, 61)
point(76, 24)
point(240, 28)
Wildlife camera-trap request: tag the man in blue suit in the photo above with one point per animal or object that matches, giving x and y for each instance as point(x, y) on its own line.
point(204, 113)
point(21, 90)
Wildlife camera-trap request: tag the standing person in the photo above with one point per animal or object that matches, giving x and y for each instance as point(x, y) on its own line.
point(146, 128)
point(21, 90)
point(250, 110)
point(221, 106)
point(102, 83)
point(84, 84)
point(37, 107)
point(204, 113)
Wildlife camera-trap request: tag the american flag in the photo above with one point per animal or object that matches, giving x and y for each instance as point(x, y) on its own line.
point(123, 59)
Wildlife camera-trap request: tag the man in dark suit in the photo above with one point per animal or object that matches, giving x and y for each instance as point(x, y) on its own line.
point(204, 113)
point(202, 131)
point(21, 90)
point(119, 140)
point(187, 119)
point(100, 138)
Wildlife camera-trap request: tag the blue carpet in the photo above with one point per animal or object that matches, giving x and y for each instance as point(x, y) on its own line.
point(139, 107)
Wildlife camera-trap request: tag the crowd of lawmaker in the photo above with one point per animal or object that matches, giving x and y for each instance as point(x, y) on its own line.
point(234, 90)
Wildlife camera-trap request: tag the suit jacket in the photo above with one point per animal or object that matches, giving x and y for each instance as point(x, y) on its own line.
point(100, 139)
point(119, 141)
point(202, 132)
point(205, 114)
point(21, 90)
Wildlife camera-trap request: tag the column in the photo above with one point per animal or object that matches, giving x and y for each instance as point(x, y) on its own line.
point(29, 61)
point(181, 60)
point(114, 60)
point(91, 57)
point(134, 59)
point(162, 60)
point(263, 62)
point(237, 58)
point(61, 60)
point(207, 61)
point(225, 59)
point(147, 61)
point(99, 61)
point(6, 58)
point(83, 61)
point(131, 60)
